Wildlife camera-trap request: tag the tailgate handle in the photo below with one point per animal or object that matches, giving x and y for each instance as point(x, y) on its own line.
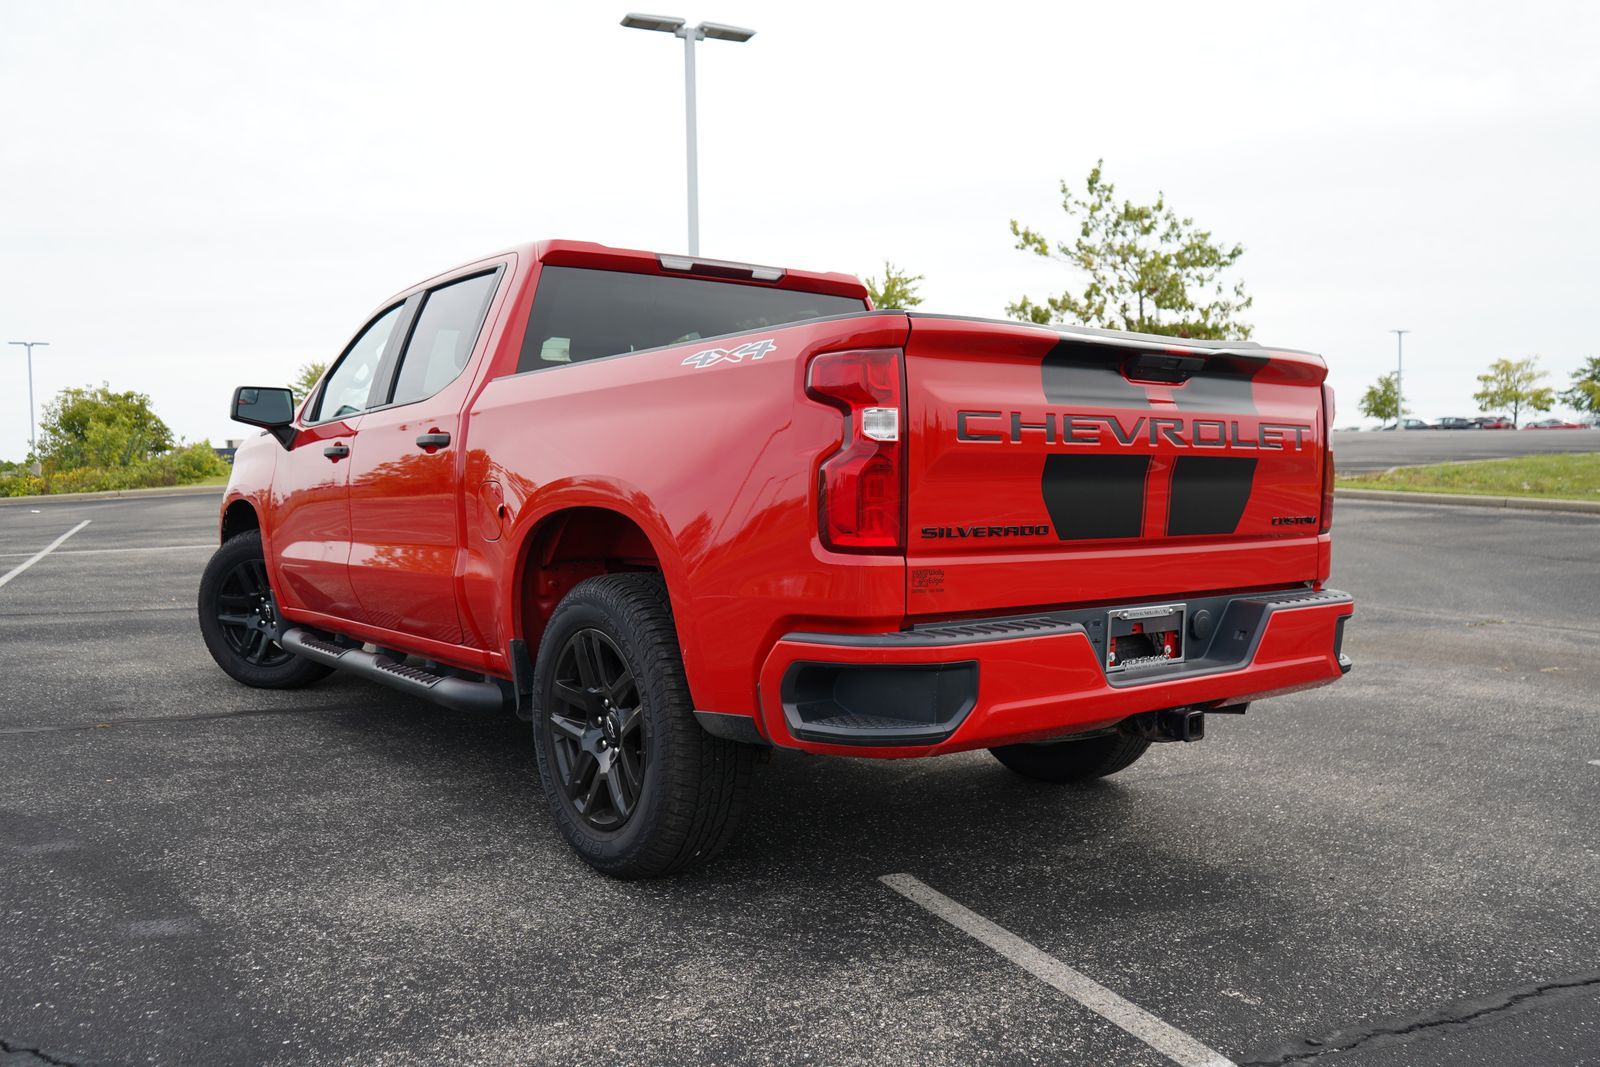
point(1161, 367)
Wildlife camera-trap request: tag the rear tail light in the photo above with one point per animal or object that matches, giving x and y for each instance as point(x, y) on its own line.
point(1327, 459)
point(862, 485)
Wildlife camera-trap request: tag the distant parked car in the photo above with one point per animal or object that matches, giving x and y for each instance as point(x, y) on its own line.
point(1411, 424)
point(1454, 422)
point(1495, 422)
point(1553, 424)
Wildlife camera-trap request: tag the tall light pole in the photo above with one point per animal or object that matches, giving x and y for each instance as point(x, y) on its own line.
point(678, 27)
point(33, 443)
point(1399, 379)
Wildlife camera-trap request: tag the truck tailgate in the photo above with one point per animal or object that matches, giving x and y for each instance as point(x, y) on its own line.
point(1050, 468)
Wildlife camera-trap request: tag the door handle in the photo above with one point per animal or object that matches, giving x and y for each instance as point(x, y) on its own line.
point(430, 441)
point(336, 452)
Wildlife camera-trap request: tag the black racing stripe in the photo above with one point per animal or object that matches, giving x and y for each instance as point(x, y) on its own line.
point(1209, 494)
point(1225, 386)
point(1089, 375)
point(1092, 497)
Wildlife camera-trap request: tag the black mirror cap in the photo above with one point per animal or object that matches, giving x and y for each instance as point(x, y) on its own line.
point(266, 406)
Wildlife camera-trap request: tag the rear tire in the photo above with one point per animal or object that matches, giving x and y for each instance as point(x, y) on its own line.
point(1072, 761)
point(634, 783)
point(235, 606)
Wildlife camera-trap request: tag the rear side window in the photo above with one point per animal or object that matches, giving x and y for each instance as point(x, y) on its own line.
point(348, 389)
point(581, 314)
point(441, 343)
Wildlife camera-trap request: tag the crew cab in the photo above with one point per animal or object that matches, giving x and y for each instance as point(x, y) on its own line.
point(675, 512)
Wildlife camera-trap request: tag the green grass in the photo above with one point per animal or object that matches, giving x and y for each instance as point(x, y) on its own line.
point(1558, 477)
point(93, 480)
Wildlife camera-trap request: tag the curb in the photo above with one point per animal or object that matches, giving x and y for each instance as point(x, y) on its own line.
point(1463, 500)
point(113, 494)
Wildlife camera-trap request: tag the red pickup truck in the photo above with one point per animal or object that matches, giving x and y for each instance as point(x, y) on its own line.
point(677, 511)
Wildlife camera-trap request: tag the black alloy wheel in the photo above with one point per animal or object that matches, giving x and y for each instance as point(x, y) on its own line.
point(248, 615)
point(239, 615)
point(596, 731)
point(631, 779)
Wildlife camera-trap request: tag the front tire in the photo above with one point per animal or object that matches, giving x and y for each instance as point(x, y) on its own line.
point(236, 611)
point(636, 786)
point(1072, 761)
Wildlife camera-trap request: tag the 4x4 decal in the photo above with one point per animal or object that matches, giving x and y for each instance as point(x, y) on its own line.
point(712, 356)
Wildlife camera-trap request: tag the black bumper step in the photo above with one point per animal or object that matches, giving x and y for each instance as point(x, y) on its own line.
point(937, 635)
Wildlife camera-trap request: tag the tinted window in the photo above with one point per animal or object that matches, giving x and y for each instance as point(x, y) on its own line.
point(345, 392)
point(442, 341)
point(583, 314)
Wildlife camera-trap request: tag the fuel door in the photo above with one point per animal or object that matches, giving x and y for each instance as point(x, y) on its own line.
point(491, 511)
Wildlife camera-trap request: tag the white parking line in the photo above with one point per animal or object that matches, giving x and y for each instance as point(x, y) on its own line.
point(1594, 763)
point(115, 551)
point(41, 554)
point(1172, 1043)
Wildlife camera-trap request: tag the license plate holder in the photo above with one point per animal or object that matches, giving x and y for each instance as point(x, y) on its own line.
point(1148, 636)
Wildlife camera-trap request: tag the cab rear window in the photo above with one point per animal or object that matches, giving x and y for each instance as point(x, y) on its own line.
point(580, 313)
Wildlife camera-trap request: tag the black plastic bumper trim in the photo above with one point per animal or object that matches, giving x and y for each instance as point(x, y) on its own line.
point(950, 633)
point(875, 704)
point(731, 727)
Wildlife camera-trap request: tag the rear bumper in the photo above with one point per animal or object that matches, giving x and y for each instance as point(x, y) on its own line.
point(978, 684)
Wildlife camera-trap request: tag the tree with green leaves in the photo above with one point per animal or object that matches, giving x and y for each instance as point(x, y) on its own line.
point(306, 379)
point(1381, 401)
point(1514, 384)
point(95, 427)
point(1145, 269)
point(1584, 393)
point(897, 291)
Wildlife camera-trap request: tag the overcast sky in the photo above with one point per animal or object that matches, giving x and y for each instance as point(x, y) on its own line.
point(199, 195)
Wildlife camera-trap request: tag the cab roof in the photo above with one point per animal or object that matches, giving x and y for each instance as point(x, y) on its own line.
point(564, 253)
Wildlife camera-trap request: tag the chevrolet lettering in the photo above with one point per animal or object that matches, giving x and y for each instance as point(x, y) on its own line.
point(995, 427)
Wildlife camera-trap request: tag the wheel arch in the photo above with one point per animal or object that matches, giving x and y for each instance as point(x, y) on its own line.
point(569, 544)
point(239, 516)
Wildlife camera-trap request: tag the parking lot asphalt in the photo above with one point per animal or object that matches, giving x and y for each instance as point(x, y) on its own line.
point(1401, 869)
point(1379, 450)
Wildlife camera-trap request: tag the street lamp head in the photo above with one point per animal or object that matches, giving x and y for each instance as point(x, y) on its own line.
point(721, 31)
point(716, 31)
point(662, 23)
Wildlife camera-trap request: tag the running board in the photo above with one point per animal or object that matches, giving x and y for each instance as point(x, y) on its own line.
point(458, 694)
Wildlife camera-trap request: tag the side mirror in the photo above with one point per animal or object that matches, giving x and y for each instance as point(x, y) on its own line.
point(268, 407)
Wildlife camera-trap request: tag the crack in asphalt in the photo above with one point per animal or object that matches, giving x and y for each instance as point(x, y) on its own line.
point(156, 720)
point(1465, 1013)
point(22, 1050)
